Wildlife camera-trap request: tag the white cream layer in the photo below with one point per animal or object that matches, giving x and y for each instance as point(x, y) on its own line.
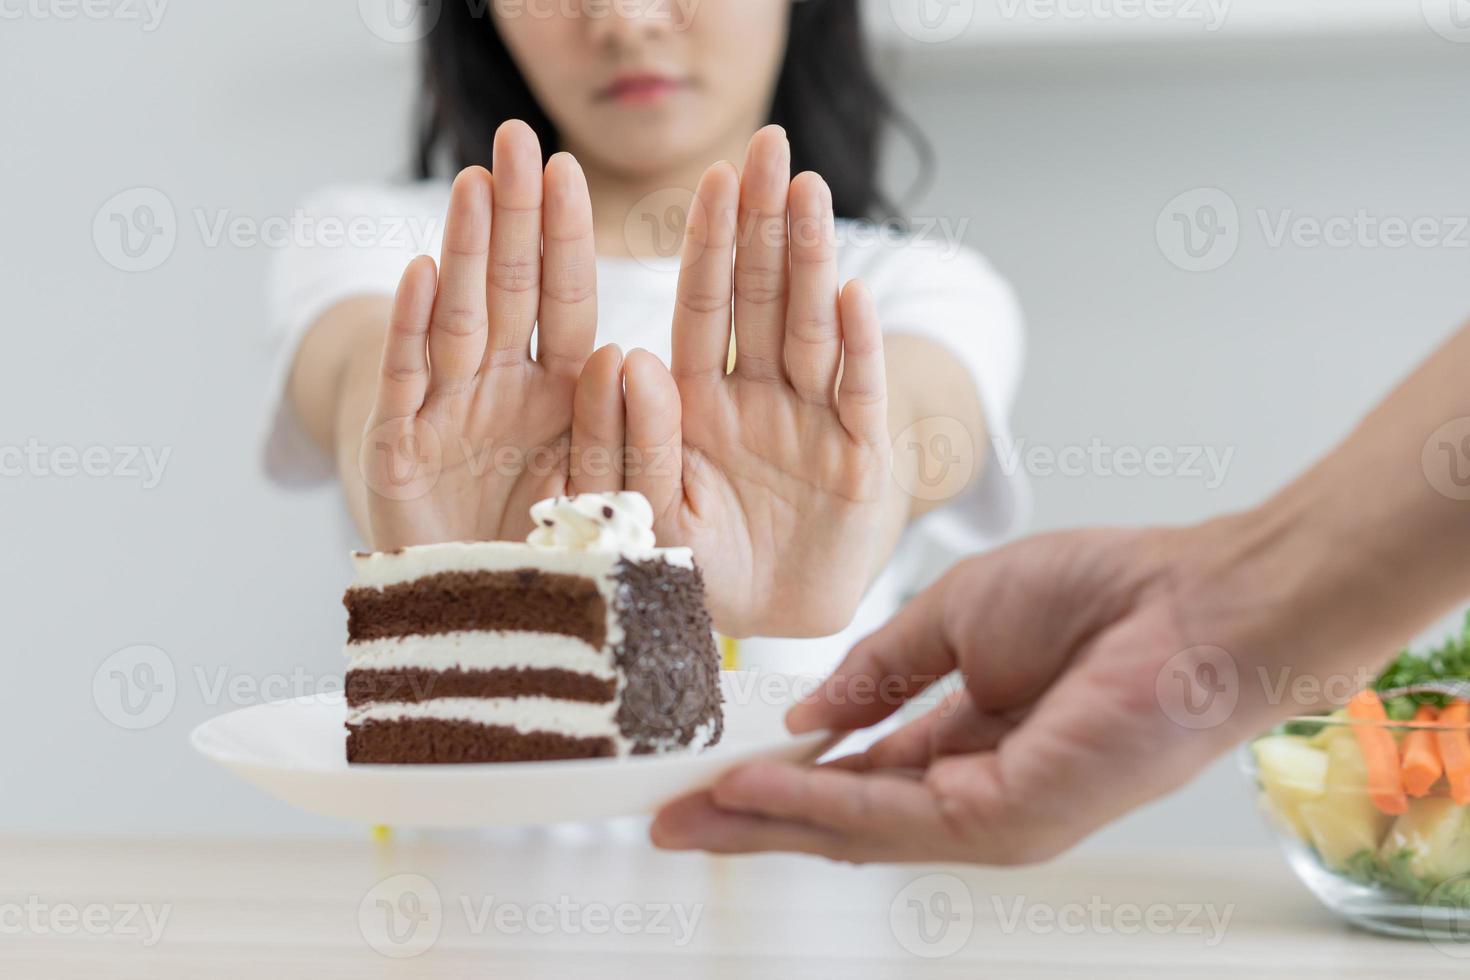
point(482, 650)
point(381, 569)
point(526, 715)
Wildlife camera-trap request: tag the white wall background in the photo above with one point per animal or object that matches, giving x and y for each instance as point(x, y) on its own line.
point(1060, 145)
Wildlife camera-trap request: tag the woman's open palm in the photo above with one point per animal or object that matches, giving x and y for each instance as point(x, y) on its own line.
point(469, 429)
point(776, 472)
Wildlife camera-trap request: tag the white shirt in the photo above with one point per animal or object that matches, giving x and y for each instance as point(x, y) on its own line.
point(364, 236)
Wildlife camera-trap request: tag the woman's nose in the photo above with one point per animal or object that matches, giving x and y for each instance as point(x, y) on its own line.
point(631, 22)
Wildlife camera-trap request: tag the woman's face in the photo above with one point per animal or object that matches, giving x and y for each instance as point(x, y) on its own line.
point(644, 86)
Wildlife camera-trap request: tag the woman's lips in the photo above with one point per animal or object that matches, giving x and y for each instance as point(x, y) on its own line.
point(641, 88)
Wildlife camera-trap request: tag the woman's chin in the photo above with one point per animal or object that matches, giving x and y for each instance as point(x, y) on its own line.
point(650, 144)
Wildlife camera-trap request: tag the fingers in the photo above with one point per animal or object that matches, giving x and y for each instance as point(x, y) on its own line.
point(954, 727)
point(964, 808)
point(568, 315)
point(597, 424)
point(458, 327)
point(701, 339)
point(513, 278)
point(654, 466)
point(404, 377)
point(840, 815)
point(761, 262)
point(696, 823)
point(873, 806)
point(862, 394)
point(813, 342)
point(884, 670)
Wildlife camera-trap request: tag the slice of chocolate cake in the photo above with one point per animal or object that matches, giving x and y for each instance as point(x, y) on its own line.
point(586, 641)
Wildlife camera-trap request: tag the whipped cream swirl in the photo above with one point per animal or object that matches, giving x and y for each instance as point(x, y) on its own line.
point(594, 522)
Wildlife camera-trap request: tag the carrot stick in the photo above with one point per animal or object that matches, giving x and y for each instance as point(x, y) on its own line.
point(1454, 749)
point(1422, 765)
point(1380, 752)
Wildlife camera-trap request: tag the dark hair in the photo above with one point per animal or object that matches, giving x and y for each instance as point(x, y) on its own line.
point(826, 96)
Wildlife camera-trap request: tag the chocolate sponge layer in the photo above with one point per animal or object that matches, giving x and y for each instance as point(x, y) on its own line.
point(525, 599)
point(422, 741)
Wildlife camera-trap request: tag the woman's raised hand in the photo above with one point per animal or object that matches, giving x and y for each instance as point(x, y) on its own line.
point(777, 472)
point(468, 428)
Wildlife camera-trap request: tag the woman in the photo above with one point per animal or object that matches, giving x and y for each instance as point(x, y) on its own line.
point(451, 408)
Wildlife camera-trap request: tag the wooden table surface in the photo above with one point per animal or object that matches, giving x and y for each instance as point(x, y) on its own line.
point(599, 902)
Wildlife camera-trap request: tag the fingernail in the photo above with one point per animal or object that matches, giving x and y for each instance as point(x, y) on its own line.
point(796, 722)
point(664, 839)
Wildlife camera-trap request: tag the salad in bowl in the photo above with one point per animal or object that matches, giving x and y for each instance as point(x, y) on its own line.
point(1372, 802)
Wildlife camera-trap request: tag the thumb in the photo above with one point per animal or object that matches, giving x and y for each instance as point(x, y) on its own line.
point(885, 670)
point(654, 434)
point(1011, 618)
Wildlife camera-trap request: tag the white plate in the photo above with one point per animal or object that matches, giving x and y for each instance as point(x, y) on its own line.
point(296, 751)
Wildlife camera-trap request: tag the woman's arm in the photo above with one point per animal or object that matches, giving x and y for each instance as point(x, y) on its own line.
point(938, 433)
point(937, 424)
point(333, 383)
point(1103, 669)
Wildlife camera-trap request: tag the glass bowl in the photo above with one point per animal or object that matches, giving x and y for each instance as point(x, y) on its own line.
point(1404, 874)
